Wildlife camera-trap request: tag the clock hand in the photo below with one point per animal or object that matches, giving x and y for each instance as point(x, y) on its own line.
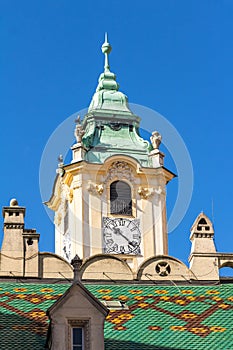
point(117, 231)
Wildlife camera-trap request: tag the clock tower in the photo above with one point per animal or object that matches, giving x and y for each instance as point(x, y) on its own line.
point(111, 198)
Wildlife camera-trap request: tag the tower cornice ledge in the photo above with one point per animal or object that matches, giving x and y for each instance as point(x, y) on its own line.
point(220, 256)
point(107, 116)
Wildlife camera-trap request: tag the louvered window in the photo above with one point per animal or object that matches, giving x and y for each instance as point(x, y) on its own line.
point(120, 198)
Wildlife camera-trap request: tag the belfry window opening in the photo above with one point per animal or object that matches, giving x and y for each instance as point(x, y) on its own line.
point(120, 198)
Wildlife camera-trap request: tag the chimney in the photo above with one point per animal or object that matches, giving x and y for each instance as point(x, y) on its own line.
point(12, 253)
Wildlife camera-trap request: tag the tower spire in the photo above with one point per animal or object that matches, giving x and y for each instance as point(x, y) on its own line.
point(106, 49)
point(107, 95)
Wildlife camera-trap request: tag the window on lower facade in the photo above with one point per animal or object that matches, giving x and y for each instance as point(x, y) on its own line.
point(77, 338)
point(120, 198)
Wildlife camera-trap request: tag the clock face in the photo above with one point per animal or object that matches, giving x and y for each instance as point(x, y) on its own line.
point(121, 236)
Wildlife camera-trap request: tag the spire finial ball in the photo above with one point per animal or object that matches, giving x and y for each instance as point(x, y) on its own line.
point(106, 47)
point(13, 202)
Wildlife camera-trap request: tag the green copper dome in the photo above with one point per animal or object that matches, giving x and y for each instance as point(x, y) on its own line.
point(111, 128)
point(107, 95)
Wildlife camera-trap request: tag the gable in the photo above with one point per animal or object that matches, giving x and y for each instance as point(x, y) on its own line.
point(77, 300)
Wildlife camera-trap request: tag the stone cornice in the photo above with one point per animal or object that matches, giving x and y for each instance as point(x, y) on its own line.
point(13, 226)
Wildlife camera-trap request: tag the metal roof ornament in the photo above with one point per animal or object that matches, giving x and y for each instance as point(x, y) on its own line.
point(107, 96)
point(106, 49)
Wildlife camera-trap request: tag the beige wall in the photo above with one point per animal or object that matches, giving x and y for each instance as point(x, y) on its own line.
point(90, 202)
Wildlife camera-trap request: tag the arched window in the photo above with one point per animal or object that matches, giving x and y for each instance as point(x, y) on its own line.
point(202, 225)
point(202, 222)
point(120, 198)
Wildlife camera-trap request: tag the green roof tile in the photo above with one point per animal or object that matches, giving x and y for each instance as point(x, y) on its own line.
point(159, 317)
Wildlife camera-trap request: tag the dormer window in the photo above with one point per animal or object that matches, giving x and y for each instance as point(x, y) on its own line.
point(79, 332)
point(78, 338)
point(120, 198)
point(71, 317)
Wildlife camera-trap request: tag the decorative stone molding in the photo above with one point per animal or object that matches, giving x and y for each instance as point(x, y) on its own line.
point(202, 235)
point(163, 268)
point(76, 187)
point(13, 226)
point(146, 192)
point(67, 246)
point(60, 170)
point(29, 230)
point(85, 324)
point(66, 195)
point(95, 189)
point(57, 219)
point(70, 195)
point(120, 170)
point(158, 190)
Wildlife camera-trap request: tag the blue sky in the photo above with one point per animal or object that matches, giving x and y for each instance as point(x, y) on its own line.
point(172, 56)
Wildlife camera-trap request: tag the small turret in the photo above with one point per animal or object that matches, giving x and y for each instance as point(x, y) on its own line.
point(19, 253)
point(202, 259)
point(202, 234)
point(13, 215)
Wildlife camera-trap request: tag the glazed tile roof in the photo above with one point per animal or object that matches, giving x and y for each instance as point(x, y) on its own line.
point(159, 317)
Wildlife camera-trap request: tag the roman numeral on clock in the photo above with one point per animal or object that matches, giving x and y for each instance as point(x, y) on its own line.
point(130, 248)
point(122, 249)
point(121, 222)
point(108, 234)
point(115, 247)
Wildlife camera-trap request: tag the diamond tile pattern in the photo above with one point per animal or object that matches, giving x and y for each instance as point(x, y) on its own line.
point(159, 317)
